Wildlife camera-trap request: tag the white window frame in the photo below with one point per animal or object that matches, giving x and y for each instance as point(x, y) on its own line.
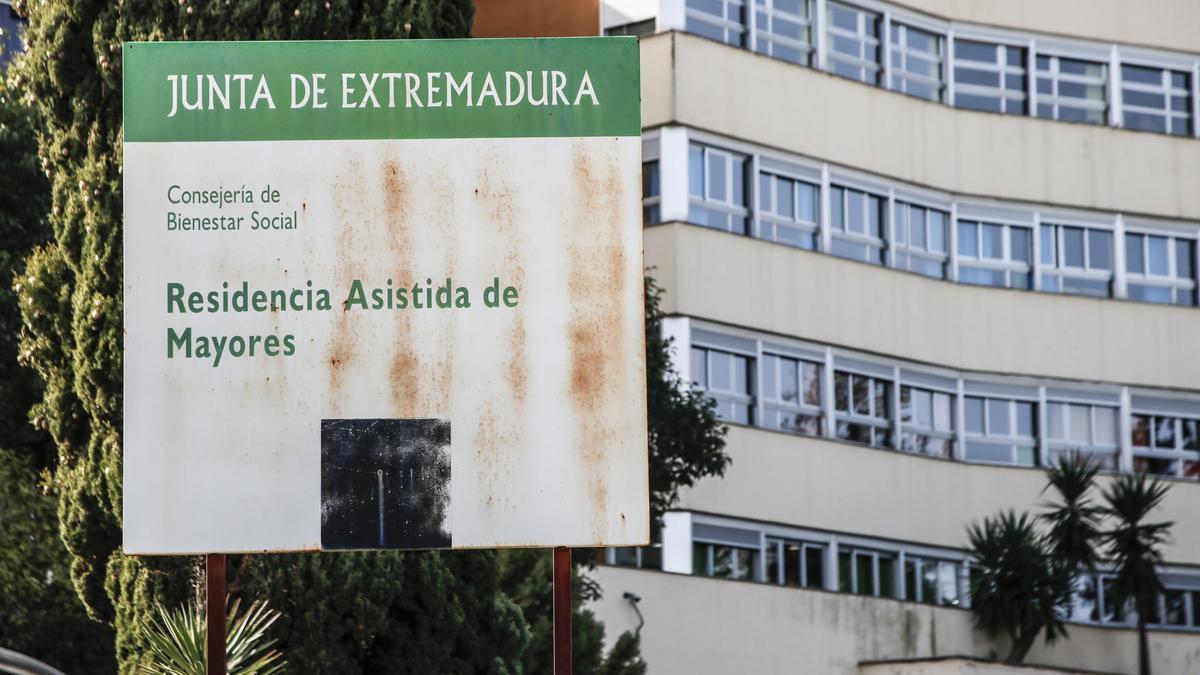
point(1013, 440)
point(768, 36)
point(1054, 446)
point(1006, 263)
point(1164, 88)
point(1000, 67)
point(864, 65)
point(877, 244)
point(1060, 270)
point(768, 218)
point(900, 76)
point(902, 205)
point(1172, 281)
point(733, 212)
point(734, 397)
point(950, 434)
point(776, 406)
point(885, 424)
point(1056, 101)
point(730, 27)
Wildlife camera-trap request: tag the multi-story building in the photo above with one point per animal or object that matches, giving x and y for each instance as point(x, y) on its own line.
point(914, 251)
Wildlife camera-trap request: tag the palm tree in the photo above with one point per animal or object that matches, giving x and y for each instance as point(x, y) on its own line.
point(1135, 549)
point(1024, 580)
point(1073, 522)
point(177, 641)
point(1015, 590)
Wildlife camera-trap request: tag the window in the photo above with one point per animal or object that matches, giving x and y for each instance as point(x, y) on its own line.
point(651, 192)
point(856, 223)
point(1000, 430)
point(863, 405)
point(642, 557)
point(717, 188)
point(1095, 601)
point(791, 395)
point(721, 20)
point(726, 377)
point(1165, 446)
point(794, 563)
point(1160, 268)
point(918, 59)
point(723, 561)
point(867, 572)
point(926, 422)
point(784, 29)
point(1082, 258)
point(920, 239)
point(989, 77)
point(1089, 429)
point(995, 254)
point(787, 211)
point(853, 36)
point(930, 581)
point(1072, 89)
point(1156, 99)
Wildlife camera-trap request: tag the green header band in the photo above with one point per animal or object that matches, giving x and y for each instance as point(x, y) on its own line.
point(376, 89)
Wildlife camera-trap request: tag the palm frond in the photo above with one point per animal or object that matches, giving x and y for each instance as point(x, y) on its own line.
point(176, 641)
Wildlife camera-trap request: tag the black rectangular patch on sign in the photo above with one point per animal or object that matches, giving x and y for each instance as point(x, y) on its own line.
point(385, 483)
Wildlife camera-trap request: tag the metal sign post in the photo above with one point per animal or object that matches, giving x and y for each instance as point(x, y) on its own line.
point(562, 610)
point(214, 611)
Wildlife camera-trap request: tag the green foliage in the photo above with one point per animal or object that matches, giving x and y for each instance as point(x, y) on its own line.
point(389, 612)
point(40, 614)
point(177, 641)
point(1015, 590)
point(527, 575)
point(1135, 547)
point(1023, 580)
point(1073, 522)
point(687, 442)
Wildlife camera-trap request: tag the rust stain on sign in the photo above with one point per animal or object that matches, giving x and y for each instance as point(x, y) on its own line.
point(596, 287)
point(404, 371)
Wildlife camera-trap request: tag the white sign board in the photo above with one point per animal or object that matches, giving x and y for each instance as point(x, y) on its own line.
point(383, 294)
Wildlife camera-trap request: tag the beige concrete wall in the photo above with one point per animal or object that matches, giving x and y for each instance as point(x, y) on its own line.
point(1167, 24)
point(743, 95)
point(697, 626)
point(842, 487)
point(820, 297)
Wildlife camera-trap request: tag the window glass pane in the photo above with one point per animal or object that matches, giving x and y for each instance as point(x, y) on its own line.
point(882, 408)
point(1189, 440)
point(1056, 420)
point(993, 241)
point(1164, 433)
point(874, 215)
point(968, 243)
point(814, 567)
point(1025, 419)
point(974, 411)
point(974, 51)
point(650, 187)
point(1184, 253)
point(1141, 74)
point(1048, 245)
point(1106, 426)
point(861, 391)
point(947, 583)
point(696, 171)
point(812, 383)
point(1021, 248)
point(1080, 423)
point(1073, 246)
point(841, 391)
point(916, 226)
point(845, 578)
point(864, 568)
point(1134, 255)
point(808, 202)
point(1156, 248)
point(738, 180)
point(887, 577)
point(741, 374)
point(836, 217)
point(929, 582)
point(700, 368)
point(942, 416)
point(700, 559)
point(717, 177)
point(721, 376)
point(998, 421)
point(1099, 249)
point(784, 204)
point(791, 564)
point(790, 385)
point(937, 231)
point(1140, 432)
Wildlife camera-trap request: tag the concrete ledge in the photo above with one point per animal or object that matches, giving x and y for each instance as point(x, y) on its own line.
point(963, 665)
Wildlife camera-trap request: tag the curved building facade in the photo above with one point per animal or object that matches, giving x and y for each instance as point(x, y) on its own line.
point(914, 252)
